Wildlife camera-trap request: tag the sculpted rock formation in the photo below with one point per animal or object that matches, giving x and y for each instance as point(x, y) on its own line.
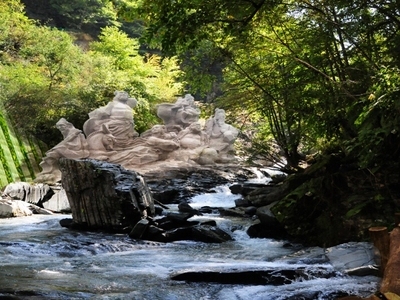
point(114, 119)
point(179, 115)
point(109, 135)
point(222, 135)
point(74, 146)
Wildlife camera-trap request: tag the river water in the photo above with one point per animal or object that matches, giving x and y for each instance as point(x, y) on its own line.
point(42, 260)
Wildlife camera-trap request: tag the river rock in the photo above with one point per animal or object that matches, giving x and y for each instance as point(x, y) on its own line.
point(268, 226)
point(31, 193)
point(19, 208)
point(185, 207)
point(58, 202)
point(105, 196)
point(253, 277)
point(265, 215)
point(260, 230)
point(265, 195)
point(210, 234)
point(139, 230)
point(354, 258)
point(14, 208)
point(246, 188)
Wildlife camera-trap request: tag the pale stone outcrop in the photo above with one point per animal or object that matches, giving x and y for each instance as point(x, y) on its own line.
point(18, 208)
point(14, 208)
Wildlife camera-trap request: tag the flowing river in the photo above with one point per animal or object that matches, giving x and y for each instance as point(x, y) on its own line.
point(42, 260)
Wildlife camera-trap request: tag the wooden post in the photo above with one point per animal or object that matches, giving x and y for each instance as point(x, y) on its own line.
point(391, 277)
point(380, 239)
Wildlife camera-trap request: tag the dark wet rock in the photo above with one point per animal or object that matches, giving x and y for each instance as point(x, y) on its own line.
point(175, 220)
point(210, 234)
point(105, 196)
point(158, 210)
point(266, 195)
point(278, 178)
point(166, 191)
point(208, 210)
point(265, 215)
point(242, 202)
point(70, 224)
point(233, 212)
point(268, 226)
point(160, 231)
point(236, 188)
point(139, 230)
point(185, 207)
point(254, 277)
point(178, 217)
point(251, 210)
point(271, 231)
point(178, 234)
point(209, 222)
point(246, 188)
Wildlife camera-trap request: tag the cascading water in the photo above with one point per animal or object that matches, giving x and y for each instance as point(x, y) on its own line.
point(42, 260)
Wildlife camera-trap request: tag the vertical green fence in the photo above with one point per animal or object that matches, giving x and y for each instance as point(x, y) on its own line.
point(20, 154)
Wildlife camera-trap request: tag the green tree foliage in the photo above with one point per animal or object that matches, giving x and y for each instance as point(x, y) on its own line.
point(317, 72)
point(45, 75)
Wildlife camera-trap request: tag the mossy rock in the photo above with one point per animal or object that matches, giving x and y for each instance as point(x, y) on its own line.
point(334, 206)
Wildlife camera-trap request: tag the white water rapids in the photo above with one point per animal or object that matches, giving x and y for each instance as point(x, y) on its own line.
point(42, 260)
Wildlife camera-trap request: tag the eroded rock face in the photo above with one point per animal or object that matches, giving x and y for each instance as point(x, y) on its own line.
point(24, 199)
point(105, 196)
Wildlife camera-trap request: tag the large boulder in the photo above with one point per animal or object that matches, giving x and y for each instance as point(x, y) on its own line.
point(105, 196)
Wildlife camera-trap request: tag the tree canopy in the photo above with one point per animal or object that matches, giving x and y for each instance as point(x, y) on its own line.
point(318, 72)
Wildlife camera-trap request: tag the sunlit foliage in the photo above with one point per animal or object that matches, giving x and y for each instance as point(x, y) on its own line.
point(44, 76)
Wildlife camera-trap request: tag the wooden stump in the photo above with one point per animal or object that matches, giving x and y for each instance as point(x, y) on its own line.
point(391, 276)
point(380, 239)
